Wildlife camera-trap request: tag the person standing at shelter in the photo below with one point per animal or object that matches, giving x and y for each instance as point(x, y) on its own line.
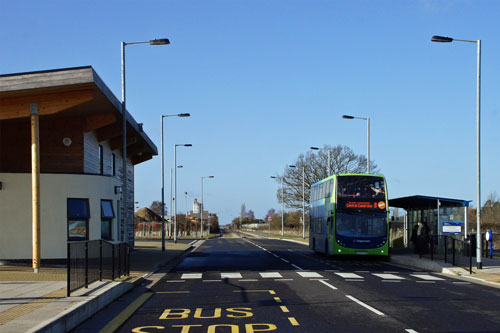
point(420, 237)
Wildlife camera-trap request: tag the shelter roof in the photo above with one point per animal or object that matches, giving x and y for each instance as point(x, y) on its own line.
point(425, 202)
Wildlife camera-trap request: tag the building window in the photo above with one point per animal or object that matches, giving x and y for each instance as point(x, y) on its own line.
point(101, 160)
point(107, 216)
point(113, 163)
point(78, 219)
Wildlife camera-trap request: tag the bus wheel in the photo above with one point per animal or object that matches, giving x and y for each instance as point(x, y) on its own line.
point(314, 245)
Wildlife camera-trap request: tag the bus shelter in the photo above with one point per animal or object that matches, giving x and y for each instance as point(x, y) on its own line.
point(444, 216)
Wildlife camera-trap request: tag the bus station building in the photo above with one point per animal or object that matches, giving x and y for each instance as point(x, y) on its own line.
point(80, 161)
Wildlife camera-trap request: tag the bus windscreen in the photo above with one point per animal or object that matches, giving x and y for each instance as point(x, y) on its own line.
point(361, 187)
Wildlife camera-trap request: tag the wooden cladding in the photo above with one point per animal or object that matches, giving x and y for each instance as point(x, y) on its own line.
point(55, 156)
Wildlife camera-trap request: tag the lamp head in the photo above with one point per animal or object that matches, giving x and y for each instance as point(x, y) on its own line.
point(188, 145)
point(347, 117)
point(441, 39)
point(183, 115)
point(163, 41)
point(314, 148)
point(291, 166)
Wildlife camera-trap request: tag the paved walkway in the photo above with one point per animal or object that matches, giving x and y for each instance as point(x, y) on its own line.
point(32, 302)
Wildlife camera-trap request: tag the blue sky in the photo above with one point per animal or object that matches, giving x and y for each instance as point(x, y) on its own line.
point(265, 80)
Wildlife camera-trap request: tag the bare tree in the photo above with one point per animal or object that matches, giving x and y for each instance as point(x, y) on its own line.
point(156, 207)
point(343, 160)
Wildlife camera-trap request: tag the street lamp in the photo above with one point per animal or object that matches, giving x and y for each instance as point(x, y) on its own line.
point(282, 207)
point(329, 159)
point(201, 206)
point(171, 200)
point(367, 138)
point(163, 178)
point(175, 186)
point(303, 201)
point(441, 39)
point(186, 204)
point(163, 41)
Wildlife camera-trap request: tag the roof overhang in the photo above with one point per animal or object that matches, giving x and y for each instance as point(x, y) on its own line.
point(70, 92)
point(426, 202)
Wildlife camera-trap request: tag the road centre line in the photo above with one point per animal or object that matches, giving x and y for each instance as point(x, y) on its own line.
point(248, 280)
point(425, 281)
point(365, 305)
point(283, 279)
point(355, 280)
point(212, 280)
point(293, 321)
point(409, 330)
point(327, 284)
point(272, 292)
point(284, 308)
point(169, 281)
point(285, 260)
point(277, 299)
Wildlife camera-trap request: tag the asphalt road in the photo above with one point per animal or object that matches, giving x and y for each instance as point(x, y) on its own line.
point(234, 284)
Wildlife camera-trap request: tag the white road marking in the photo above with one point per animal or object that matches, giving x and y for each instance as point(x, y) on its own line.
point(349, 275)
point(230, 275)
point(310, 274)
point(389, 276)
point(268, 275)
point(409, 330)
point(176, 281)
point(283, 279)
point(394, 281)
point(297, 267)
point(327, 284)
point(353, 280)
point(427, 277)
point(212, 280)
point(191, 276)
point(248, 280)
point(285, 260)
point(365, 305)
point(425, 281)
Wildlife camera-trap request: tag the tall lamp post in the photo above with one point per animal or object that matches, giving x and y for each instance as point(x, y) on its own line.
point(163, 178)
point(441, 39)
point(303, 201)
point(329, 160)
point(201, 205)
point(367, 138)
point(175, 186)
point(163, 41)
point(282, 207)
point(186, 194)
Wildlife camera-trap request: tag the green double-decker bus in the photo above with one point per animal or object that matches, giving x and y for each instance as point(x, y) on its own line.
point(349, 215)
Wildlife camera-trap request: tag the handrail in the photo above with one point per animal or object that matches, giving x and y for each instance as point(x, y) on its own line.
point(465, 248)
point(83, 269)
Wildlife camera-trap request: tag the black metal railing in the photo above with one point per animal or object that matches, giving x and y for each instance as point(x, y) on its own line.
point(90, 261)
point(450, 250)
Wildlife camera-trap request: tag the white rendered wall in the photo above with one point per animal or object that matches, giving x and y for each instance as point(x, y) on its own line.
point(55, 189)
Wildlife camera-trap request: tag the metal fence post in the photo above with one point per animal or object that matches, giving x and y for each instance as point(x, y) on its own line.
point(445, 249)
point(453, 249)
point(432, 247)
point(112, 262)
point(86, 264)
point(470, 258)
point(68, 278)
point(100, 260)
point(119, 260)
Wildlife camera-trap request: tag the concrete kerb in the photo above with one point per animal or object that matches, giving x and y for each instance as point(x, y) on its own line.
point(81, 311)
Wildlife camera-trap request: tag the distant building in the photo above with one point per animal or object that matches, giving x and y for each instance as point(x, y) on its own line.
point(80, 135)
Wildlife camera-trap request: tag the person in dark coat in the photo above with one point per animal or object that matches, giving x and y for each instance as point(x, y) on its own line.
point(420, 237)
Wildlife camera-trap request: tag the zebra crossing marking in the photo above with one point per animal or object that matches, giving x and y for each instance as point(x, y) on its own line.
point(191, 276)
point(230, 275)
point(269, 275)
point(427, 277)
point(388, 276)
point(310, 274)
point(349, 275)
